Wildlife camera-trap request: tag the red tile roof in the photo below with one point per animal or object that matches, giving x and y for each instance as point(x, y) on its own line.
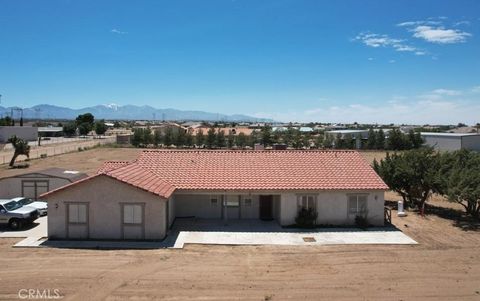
point(111, 165)
point(262, 170)
point(163, 171)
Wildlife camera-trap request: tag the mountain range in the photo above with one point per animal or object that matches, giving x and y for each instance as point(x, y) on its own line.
point(126, 112)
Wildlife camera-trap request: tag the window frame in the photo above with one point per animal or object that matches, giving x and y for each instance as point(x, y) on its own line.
point(68, 204)
point(300, 200)
point(358, 208)
point(142, 214)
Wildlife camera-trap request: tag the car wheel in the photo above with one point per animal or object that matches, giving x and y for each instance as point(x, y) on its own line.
point(15, 224)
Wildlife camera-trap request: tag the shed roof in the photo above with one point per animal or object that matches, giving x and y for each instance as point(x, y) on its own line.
point(71, 175)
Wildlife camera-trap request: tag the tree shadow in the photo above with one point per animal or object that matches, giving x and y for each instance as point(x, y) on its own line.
point(458, 217)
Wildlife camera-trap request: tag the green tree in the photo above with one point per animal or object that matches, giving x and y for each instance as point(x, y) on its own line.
point(242, 140)
point(349, 141)
point(328, 141)
point(298, 140)
point(188, 140)
point(100, 127)
point(69, 129)
point(85, 123)
point(339, 142)
point(380, 139)
point(199, 138)
point(372, 139)
point(396, 140)
point(460, 175)
point(415, 139)
point(180, 138)
point(157, 138)
point(147, 137)
point(266, 135)
point(211, 137)
point(413, 174)
point(137, 138)
point(20, 146)
point(168, 138)
point(230, 140)
point(84, 128)
point(221, 142)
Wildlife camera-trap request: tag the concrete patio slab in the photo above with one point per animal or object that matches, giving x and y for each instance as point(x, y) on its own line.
point(238, 232)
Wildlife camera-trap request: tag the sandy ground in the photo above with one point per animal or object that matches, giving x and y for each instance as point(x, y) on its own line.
point(445, 265)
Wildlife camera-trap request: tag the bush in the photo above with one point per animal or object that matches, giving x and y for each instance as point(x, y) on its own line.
point(361, 222)
point(306, 218)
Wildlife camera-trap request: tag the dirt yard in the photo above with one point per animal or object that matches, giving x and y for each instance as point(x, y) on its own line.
point(445, 265)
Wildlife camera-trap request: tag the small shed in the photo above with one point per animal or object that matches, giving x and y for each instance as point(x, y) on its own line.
point(452, 141)
point(33, 184)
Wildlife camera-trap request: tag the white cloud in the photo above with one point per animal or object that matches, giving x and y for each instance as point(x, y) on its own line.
point(440, 34)
point(382, 40)
point(392, 61)
point(370, 59)
point(447, 92)
point(439, 106)
point(118, 31)
point(416, 23)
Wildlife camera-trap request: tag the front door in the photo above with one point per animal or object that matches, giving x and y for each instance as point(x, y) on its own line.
point(266, 207)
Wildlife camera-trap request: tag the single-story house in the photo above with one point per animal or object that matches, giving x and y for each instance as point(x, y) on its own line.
point(452, 141)
point(33, 184)
point(141, 199)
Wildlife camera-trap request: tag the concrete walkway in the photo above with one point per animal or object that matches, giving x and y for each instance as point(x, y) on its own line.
point(240, 232)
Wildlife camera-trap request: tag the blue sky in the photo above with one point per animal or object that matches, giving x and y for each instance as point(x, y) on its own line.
point(291, 60)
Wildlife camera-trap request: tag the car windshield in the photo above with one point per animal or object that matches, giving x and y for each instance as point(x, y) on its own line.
point(25, 201)
point(12, 205)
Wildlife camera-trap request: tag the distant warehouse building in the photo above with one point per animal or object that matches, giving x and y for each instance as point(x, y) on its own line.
point(452, 141)
point(28, 133)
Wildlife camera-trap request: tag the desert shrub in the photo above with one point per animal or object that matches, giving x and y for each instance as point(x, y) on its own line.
point(361, 222)
point(306, 218)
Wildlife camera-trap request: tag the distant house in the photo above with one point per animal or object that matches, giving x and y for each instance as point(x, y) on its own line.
point(33, 184)
point(27, 133)
point(141, 199)
point(452, 141)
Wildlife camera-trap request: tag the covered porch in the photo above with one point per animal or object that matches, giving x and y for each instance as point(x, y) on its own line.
point(226, 206)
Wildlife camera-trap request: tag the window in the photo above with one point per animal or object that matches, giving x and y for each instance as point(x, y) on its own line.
point(214, 202)
point(357, 203)
point(233, 202)
point(77, 213)
point(247, 202)
point(307, 201)
point(132, 214)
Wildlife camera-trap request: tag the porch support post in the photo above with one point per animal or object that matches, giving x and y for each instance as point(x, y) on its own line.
point(225, 216)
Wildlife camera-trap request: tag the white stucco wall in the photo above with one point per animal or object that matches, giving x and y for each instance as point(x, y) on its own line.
point(104, 197)
point(332, 207)
point(12, 187)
